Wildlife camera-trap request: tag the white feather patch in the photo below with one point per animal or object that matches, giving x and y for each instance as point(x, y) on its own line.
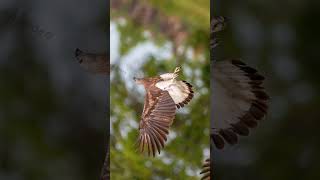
point(178, 90)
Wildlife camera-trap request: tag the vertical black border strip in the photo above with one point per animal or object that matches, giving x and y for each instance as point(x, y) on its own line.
point(105, 171)
point(211, 120)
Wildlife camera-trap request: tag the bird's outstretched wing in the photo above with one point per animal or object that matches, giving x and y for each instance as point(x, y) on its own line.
point(158, 114)
point(180, 91)
point(238, 101)
point(94, 63)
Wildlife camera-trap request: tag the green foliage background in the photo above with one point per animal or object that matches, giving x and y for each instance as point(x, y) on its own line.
point(182, 157)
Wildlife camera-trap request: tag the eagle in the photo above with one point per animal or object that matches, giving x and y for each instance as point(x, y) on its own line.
point(239, 100)
point(164, 95)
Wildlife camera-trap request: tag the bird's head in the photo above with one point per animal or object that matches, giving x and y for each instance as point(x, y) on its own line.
point(139, 80)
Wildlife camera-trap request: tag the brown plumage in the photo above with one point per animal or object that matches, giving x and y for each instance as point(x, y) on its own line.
point(161, 101)
point(239, 99)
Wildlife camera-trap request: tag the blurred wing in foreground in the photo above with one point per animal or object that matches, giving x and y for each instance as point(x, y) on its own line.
point(239, 101)
point(164, 94)
point(238, 98)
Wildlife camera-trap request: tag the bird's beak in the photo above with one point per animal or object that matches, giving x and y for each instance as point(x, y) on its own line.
point(138, 80)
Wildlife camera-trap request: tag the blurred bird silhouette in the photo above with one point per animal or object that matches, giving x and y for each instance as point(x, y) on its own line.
point(238, 98)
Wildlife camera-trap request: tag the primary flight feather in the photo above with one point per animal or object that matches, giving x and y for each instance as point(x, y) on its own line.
point(93, 62)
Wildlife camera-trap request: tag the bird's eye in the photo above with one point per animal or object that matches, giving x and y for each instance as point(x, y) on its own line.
point(80, 61)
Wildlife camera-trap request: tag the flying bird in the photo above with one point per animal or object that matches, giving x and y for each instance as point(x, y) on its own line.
point(164, 94)
point(93, 62)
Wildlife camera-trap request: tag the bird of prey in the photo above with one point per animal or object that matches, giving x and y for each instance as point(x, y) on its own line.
point(164, 94)
point(238, 97)
point(92, 62)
